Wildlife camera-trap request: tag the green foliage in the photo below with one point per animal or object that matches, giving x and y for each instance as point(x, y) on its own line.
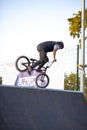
point(75, 24)
point(70, 81)
point(0, 80)
point(86, 82)
point(86, 93)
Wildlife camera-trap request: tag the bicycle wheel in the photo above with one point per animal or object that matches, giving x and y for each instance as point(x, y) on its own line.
point(21, 63)
point(42, 80)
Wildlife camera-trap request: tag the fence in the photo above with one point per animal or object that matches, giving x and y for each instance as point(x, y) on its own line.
point(71, 59)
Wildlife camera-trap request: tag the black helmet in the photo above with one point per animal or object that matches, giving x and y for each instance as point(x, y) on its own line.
point(61, 44)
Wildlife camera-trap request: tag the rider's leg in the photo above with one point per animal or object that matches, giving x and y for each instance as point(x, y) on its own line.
point(29, 68)
point(44, 62)
point(43, 59)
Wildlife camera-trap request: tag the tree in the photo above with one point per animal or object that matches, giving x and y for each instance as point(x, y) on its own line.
point(0, 80)
point(70, 81)
point(75, 24)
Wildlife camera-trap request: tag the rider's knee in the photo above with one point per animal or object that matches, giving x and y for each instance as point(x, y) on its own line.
point(46, 60)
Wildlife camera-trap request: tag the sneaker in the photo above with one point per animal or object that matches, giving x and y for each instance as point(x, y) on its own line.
point(29, 72)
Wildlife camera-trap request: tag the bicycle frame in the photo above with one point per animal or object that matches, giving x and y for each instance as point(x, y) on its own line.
point(44, 68)
point(49, 64)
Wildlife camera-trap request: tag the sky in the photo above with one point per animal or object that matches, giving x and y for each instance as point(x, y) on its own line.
point(26, 23)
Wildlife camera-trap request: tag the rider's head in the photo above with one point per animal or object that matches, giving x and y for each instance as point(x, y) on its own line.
point(61, 45)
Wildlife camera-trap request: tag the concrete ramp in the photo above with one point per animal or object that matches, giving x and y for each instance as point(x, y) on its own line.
point(41, 109)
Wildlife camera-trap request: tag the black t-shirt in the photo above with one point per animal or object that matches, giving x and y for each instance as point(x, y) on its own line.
point(47, 46)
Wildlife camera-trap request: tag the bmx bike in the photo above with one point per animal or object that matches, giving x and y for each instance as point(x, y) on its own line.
point(42, 79)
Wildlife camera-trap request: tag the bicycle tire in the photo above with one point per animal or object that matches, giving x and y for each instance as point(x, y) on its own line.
point(44, 83)
point(20, 61)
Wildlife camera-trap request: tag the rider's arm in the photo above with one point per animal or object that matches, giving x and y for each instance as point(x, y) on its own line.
point(54, 55)
point(56, 47)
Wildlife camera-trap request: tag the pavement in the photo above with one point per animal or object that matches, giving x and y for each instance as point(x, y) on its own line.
point(41, 109)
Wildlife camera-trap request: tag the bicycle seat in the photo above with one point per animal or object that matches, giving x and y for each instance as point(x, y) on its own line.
point(33, 59)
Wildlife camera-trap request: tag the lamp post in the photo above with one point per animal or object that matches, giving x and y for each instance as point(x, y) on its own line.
point(83, 47)
point(77, 77)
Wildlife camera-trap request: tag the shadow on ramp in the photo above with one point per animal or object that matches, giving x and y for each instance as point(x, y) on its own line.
point(41, 109)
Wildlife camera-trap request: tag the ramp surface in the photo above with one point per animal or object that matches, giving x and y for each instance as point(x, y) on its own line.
point(41, 109)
